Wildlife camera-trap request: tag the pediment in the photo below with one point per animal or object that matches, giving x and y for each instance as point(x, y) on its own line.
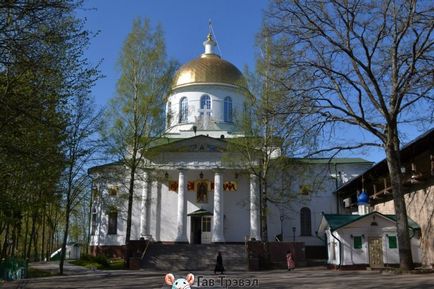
point(194, 144)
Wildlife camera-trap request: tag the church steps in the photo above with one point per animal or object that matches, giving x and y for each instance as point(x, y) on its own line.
point(170, 257)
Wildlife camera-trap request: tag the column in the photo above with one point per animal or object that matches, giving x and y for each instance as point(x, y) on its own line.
point(254, 208)
point(148, 200)
point(144, 230)
point(217, 230)
point(181, 235)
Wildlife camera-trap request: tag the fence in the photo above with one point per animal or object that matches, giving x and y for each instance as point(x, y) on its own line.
point(13, 269)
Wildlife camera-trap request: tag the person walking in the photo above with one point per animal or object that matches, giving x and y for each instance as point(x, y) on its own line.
point(219, 264)
point(290, 261)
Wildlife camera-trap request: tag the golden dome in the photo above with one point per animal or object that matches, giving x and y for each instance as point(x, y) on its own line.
point(209, 69)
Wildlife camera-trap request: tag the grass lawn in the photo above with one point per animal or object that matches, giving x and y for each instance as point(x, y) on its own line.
point(99, 262)
point(36, 273)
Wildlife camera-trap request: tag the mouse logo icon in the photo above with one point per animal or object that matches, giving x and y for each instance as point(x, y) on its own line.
point(180, 283)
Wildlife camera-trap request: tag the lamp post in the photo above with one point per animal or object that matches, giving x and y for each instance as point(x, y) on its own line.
point(293, 234)
point(281, 226)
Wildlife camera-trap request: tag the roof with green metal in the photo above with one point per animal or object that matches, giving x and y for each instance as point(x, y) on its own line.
point(411, 223)
point(338, 221)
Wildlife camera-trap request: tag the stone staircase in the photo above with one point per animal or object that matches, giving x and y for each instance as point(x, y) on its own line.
point(193, 257)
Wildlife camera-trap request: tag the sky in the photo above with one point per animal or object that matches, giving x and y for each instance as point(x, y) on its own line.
point(185, 25)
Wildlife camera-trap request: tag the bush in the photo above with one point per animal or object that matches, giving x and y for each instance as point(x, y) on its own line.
point(103, 261)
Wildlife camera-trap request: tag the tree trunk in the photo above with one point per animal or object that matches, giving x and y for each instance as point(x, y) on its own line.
point(65, 238)
point(26, 233)
point(67, 214)
point(35, 244)
point(31, 238)
point(264, 208)
point(5, 243)
point(15, 236)
point(43, 235)
point(394, 165)
point(130, 210)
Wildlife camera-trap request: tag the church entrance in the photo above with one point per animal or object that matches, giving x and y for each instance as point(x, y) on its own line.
point(200, 229)
point(375, 247)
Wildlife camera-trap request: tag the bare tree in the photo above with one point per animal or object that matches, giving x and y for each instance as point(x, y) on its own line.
point(365, 64)
point(80, 148)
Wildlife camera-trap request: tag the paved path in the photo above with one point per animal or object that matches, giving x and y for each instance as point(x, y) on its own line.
point(312, 278)
point(53, 267)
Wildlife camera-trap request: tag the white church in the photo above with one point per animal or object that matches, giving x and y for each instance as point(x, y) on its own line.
point(190, 193)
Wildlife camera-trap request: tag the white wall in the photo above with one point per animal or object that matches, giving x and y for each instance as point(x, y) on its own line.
point(237, 209)
point(320, 200)
point(333, 248)
point(163, 222)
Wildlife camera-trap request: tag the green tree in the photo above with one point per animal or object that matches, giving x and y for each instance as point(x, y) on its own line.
point(42, 70)
point(135, 116)
point(364, 64)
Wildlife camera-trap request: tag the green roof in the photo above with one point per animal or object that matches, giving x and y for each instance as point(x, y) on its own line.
point(411, 223)
point(338, 221)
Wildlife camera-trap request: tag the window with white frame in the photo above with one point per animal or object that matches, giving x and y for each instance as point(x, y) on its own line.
point(205, 104)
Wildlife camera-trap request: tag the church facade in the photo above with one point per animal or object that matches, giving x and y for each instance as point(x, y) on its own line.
point(188, 191)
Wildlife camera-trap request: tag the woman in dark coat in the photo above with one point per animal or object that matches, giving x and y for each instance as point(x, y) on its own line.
point(219, 264)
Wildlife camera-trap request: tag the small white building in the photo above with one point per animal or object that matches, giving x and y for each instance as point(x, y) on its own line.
point(72, 252)
point(365, 239)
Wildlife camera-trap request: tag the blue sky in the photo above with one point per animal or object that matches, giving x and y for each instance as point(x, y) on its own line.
point(185, 25)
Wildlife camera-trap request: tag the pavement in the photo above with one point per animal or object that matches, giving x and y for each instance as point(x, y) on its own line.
point(68, 268)
point(312, 277)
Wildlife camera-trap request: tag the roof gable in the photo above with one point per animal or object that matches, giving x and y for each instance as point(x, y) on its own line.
point(336, 222)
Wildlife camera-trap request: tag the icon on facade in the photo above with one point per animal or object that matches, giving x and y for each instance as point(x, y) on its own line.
point(202, 192)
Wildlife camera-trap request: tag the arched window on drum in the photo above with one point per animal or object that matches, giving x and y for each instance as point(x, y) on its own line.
point(183, 110)
point(228, 109)
point(205, 105)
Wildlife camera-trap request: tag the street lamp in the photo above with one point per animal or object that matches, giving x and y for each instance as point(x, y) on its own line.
point(281, 226)
point(293, 234)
